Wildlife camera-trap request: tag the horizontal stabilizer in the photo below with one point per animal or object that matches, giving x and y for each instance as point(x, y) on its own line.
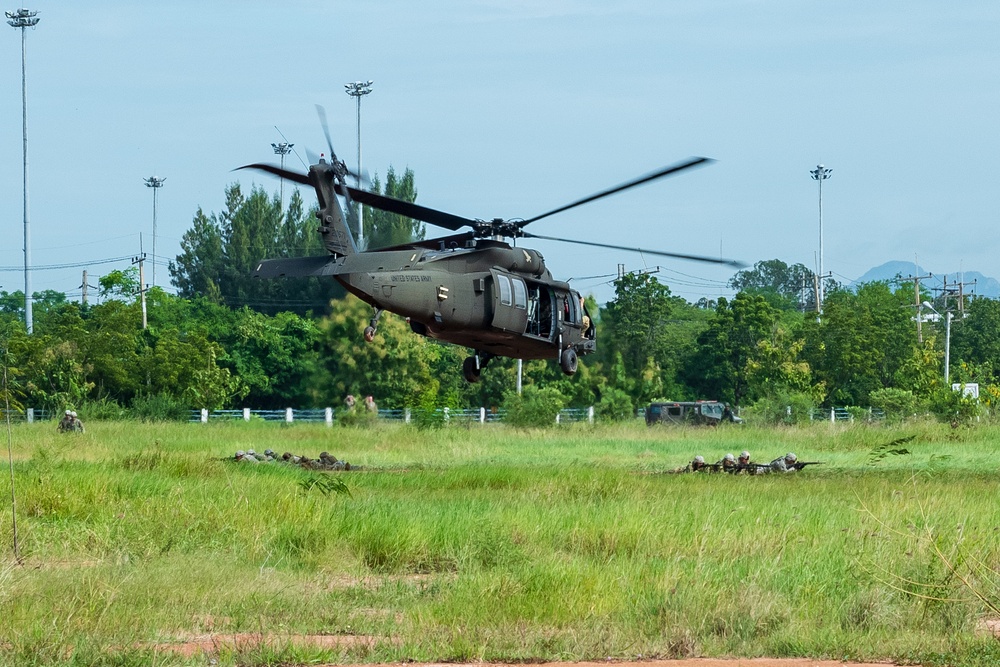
point(297, 267)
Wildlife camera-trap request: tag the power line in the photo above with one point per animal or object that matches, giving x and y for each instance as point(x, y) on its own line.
point(71, 265)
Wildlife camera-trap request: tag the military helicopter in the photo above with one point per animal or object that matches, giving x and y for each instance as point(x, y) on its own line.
point(471, 288)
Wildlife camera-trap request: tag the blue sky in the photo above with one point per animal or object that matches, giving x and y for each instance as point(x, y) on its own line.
point(512, 108)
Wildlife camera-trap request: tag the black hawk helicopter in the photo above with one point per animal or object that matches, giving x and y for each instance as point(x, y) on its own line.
point(471, 288)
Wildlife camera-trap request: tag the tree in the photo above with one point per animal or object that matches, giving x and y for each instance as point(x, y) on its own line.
point(734, 350)
point(220, 253)
point(636, 320)
point(383, 229)
point(395, 368)
point(975, 339)
point(863, 342)
point(197, 270)
point(784, 287)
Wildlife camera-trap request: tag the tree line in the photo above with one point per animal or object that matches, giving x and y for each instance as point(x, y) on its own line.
point(225, 340)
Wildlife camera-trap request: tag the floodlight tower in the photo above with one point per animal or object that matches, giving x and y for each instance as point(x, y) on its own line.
point(25, 18)
point(820, 174)
point(359, 89)
point(156, 184)
point(282, 149)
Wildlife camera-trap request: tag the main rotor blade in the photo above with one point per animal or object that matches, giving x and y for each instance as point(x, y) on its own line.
point(407, 209)
point(652, 176)
point(696, 258)
point(278, 171)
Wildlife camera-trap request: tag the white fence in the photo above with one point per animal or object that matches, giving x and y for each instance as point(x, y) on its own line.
point(329, 415)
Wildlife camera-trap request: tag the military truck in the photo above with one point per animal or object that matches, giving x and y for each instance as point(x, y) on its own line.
point(710, 413)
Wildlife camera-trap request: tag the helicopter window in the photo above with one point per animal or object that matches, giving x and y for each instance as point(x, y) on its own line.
point(504, 283)
point(520, 294)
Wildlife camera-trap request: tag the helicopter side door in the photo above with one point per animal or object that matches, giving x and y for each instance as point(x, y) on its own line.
point(510, 302)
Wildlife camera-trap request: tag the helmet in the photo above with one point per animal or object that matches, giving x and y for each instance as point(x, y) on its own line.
point(324, 455)
point(251, 452)
point(68, 413)
point(72, 414)
point(240, 452)
point(268, 452)
point(744, 454)
point(286, 456)
point(790, 457)
point(699, 459)
point(729, 457)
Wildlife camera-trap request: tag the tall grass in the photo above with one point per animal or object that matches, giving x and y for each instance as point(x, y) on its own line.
point(490, 543)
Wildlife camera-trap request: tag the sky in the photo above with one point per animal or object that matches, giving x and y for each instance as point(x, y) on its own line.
point(511, 108)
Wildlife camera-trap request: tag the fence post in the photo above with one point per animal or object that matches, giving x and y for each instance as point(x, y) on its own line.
point(447, 414)
point(590, 415)
point(246, 414)
point(328, 417)
point(406, 416)
point(29, 414)
point(204, 416)
point(288, 415)
point(558, 416)
point(833, 414)
point(482, 415)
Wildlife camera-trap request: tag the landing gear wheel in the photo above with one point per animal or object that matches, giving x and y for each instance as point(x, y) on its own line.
point(569, 361)
point(372, 324)
point(471, 370)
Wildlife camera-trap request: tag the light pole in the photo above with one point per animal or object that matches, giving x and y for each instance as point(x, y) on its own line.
point(282, 149)
point(359, 89)
point(820, 173)
point(947, 342)
point(156, 184)
point(25, 18)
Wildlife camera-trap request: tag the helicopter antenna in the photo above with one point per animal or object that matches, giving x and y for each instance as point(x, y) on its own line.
point(292, 146)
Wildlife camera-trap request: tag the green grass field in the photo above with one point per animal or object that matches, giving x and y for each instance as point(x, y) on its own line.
point(490, 543)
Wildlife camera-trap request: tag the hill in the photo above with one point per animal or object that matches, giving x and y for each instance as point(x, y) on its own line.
point(985, 286)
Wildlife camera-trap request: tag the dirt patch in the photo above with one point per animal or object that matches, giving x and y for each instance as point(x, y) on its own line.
point(215, 643)
point(989, 626)
point(246, 641)
point(691, 662)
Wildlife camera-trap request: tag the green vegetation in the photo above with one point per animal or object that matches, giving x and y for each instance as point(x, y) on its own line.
point(492, 543)
point(227, 341)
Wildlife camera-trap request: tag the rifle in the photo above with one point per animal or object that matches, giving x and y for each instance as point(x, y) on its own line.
point(799, 465)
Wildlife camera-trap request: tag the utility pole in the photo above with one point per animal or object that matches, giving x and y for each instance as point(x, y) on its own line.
point(282, 149)
point(359, 89)
point(820, 174)
point(817, 287)
point(85, 286)
point(25, 18)
point(956, 292)
point(156, 184)
point(142, 284)
point(919, 303)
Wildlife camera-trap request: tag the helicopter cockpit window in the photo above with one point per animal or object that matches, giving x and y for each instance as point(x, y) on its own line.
point(504, 283)
point(520, 294)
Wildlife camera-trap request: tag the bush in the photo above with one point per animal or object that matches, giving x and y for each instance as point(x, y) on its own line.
point(782, 408)
point(615, 406)
point(953, 406)
point(158, 408)
point(358, 417)
point(897, 404)
point(105, 409)
point(534, 407)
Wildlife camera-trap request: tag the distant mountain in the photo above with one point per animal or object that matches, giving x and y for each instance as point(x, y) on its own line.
point(988, 287)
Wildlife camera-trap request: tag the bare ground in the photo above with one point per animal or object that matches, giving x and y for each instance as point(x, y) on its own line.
point(214, 643)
